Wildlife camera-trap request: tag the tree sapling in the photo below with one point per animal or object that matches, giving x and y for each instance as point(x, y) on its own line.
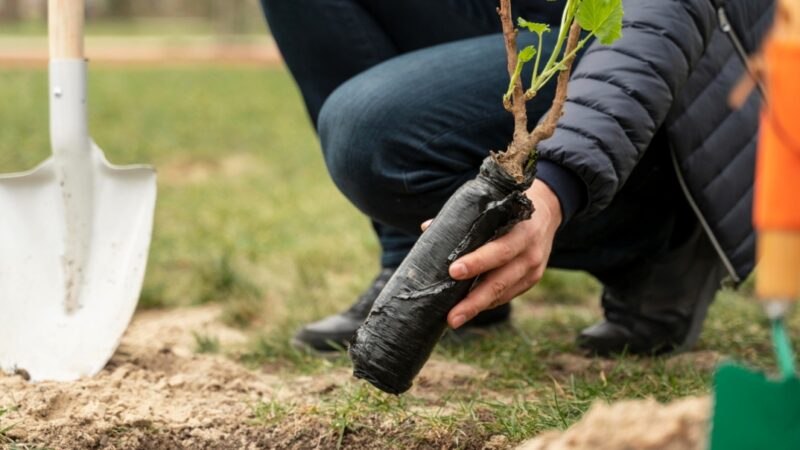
point(409, 316)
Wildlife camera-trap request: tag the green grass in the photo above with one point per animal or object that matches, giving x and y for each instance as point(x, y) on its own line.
point(245, 211)
point(248, 218)
point(271, 411)
point(5, 428)
point(8, 442)
point(529, 389)
point(205, 343)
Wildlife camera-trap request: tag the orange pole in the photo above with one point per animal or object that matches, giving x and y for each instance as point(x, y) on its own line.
point(777, 191)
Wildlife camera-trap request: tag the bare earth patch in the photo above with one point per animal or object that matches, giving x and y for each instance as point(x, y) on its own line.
point(191, 172)
point(154, 385)
point(158, 393)
point(633, 424)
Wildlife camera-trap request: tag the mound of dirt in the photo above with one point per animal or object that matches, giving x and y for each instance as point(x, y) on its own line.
point(154, 380)
point(634, 424)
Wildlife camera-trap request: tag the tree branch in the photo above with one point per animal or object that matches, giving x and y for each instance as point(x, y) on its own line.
point(547, 127)
point(517, 103)
point(514, 159)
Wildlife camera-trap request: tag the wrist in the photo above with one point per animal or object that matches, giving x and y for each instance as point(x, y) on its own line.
point(547, 204)
point(569, 189)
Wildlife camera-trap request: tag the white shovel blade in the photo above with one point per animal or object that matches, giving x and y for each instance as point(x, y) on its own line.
point(37, 334)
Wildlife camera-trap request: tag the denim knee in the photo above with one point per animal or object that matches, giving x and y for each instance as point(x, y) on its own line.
point(361, 155)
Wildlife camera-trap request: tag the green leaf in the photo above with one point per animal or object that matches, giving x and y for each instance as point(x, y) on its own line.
point(533, 27)
point(601, 17)
point(527, 53)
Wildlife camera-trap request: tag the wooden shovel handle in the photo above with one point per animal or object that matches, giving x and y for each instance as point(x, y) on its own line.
point(65, 28)
point(778, 265)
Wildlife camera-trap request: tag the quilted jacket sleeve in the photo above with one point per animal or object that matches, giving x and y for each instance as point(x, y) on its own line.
point(619, 95)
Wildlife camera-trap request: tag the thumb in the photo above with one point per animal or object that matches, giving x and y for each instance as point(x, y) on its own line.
point(426, 224)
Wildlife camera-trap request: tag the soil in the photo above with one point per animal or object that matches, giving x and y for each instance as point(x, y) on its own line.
point(636, 424)
point(197, 171)
point(157, 392)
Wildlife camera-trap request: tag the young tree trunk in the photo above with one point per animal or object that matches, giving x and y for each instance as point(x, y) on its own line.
point(10, 10)
point(230, 16)
point(120, 8)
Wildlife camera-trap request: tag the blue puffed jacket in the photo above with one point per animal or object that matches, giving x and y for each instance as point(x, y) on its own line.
point(673, 68)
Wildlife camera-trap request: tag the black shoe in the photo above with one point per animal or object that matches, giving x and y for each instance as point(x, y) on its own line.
point(333, 333)
point(662, 303)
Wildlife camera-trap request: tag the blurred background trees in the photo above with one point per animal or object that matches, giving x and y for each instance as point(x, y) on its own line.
point(10, 10)
point(218, 16)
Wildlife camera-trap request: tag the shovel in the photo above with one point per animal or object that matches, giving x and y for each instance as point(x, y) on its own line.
point(74, 233)
point(753, 411)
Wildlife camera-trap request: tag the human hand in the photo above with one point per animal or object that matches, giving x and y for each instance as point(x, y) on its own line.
point(512, 263)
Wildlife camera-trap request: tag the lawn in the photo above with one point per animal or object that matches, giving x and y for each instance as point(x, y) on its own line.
point(248, 220)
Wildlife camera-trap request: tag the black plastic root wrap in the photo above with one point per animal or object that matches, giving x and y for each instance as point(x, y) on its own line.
point(410, 315)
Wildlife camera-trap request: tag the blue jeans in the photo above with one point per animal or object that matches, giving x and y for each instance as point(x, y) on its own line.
point(406, 98)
